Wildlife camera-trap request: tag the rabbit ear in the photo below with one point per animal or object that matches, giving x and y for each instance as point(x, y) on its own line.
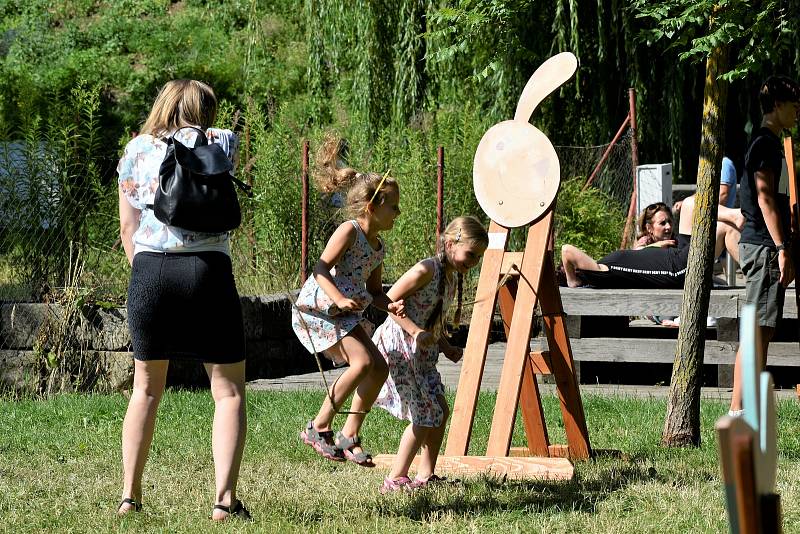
point(548, 77)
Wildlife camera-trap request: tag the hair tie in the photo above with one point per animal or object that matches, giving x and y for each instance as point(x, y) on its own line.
point(458, 235)
point(377, 189)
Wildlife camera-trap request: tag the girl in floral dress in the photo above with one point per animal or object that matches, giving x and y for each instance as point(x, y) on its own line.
point(327, 314)
point(411, 346)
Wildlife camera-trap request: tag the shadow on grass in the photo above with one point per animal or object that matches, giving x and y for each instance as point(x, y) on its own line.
point(489, 495)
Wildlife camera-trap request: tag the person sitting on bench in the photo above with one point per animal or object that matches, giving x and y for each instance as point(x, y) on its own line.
point(655, 266)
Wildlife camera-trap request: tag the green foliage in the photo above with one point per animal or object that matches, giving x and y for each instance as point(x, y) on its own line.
point(52, 185)
point(397, 79)
point(695, 28)
point(589, 220)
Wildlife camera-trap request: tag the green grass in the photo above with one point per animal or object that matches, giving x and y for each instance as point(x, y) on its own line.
point(60, 471)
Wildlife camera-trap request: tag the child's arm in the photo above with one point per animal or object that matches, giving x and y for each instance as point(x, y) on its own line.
point(765, 180)
point(450, 352)
point(342, 239)
point(379, 298)
point(412, 280)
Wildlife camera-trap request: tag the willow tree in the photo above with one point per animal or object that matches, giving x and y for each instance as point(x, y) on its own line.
point(710, 29)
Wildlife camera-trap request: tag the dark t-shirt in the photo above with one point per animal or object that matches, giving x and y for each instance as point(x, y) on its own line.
point(764, 154)
point(647, 268)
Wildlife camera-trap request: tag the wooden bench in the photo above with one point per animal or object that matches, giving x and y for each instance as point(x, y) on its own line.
point(600, 331)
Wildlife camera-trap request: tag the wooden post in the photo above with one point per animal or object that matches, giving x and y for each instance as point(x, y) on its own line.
point(440, 191)
point(519, 338)
point(794, 207)
point(562, 364)
point(472, 365)
point(304, 216)
point(635, 163)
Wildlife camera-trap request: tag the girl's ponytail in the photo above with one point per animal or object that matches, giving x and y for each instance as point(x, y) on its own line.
point(330, 177)
point(362, 189)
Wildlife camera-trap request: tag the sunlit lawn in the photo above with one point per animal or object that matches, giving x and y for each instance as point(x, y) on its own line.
point(60, 472)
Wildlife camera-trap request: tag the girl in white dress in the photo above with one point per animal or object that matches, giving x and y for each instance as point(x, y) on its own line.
point(411, 346)
point(327, 314)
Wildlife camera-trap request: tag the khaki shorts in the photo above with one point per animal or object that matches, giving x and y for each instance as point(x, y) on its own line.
point(764, 289)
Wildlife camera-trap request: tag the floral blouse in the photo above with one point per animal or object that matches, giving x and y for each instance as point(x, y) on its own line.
point(138, 181)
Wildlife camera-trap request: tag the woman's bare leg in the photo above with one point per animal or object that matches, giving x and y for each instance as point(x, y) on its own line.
point(229, 430)
point(149, 379)
point(729, 222)
point(732, 216)
point(727, 238)
point(574, 258)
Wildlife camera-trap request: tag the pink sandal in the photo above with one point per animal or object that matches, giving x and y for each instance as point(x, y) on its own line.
point(401, 484)
point(322, 442)
point(391, 485)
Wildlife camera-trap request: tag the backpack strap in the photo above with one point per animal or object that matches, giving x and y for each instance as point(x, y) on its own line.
point(248, 190)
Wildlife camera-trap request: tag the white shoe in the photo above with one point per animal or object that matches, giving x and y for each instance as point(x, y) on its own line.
point(711, 322)
point(736, 413)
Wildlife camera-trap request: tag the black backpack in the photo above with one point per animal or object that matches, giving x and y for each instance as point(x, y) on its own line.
point(196, 187)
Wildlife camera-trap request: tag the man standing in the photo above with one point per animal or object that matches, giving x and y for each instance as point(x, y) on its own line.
point(763, 248)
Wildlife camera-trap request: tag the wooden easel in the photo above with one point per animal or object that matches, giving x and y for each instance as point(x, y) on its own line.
point(533, 280)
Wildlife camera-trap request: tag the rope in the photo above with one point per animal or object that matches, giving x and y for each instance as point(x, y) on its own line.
point(329, 390)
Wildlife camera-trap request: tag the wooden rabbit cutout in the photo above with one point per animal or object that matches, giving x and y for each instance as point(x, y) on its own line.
point(516, 172)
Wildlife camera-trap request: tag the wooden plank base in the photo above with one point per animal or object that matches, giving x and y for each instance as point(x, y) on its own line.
point(517, 468)
point(562, 451)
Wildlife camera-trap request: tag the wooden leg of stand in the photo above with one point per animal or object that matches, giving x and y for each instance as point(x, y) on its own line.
point(506, 297)
point(746, 501)
point(562, 364)
point(519, 337)
point(530, 403)
point(469, 383)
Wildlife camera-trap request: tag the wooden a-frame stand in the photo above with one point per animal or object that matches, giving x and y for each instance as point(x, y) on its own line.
point(532, 280)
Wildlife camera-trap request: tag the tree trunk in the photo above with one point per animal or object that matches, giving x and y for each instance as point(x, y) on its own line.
point(682, 425)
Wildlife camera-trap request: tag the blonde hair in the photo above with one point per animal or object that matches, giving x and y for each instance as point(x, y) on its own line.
point(363, 189)
point(181, 103)
point(468, 230)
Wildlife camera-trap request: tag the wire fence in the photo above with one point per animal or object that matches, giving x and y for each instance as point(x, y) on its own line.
point(55, 221)
point(615, 177)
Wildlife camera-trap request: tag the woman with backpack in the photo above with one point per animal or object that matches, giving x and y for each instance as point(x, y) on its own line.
point(182, 298)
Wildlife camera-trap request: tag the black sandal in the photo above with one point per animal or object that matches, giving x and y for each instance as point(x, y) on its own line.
point(137, 506)
point(237, 510)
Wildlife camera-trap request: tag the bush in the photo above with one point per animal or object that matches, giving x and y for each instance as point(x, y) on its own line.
point(591, 220)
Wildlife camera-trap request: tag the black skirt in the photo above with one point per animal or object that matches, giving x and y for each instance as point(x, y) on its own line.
point(185, 306)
